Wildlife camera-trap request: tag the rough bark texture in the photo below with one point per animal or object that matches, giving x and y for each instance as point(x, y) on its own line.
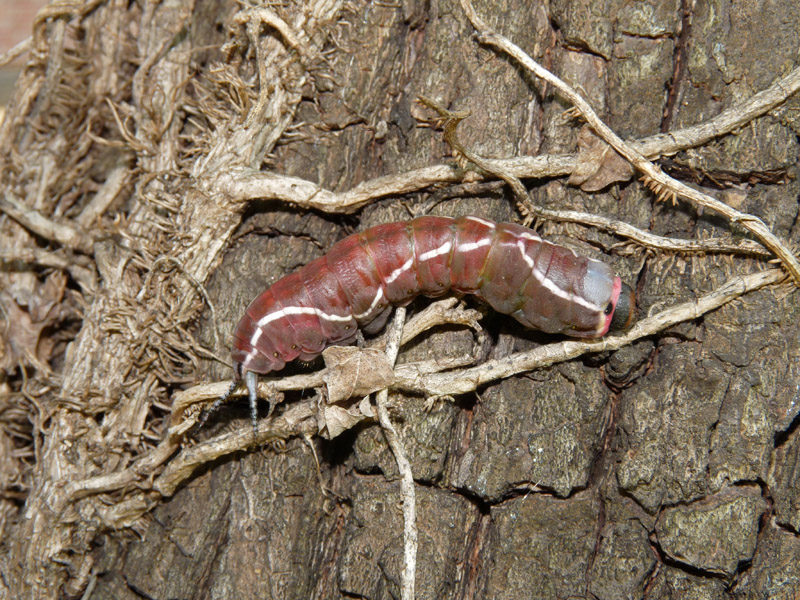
point(664, 470)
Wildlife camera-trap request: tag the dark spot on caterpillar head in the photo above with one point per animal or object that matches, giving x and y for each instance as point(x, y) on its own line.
point(625, 312)
point(609, 308)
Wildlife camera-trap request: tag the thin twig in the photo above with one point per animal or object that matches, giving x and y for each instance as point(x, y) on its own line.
point(450, 121)
point(301, 192)
point(73, 265)
point(35, 222)
point(410, 377)
point(18, 50)
point(730, 119)
point(407, 478)
point(96, 207)
point(299, 419)
point(445, 311)
point(650, 240)
point(655, 177)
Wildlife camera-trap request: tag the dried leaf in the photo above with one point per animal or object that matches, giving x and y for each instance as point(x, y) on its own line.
point(355, 372)
point(335, 420)
point(366, 408)
point(599, 165)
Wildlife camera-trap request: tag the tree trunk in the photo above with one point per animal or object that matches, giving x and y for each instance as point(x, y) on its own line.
point(163, 162)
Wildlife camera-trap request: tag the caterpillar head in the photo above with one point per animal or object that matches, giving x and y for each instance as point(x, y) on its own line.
point(602, 303)
point(624, 312)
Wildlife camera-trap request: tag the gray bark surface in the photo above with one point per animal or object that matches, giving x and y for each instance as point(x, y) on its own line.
point(667, 469)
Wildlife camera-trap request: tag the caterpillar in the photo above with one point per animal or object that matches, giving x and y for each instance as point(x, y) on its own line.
point(540, 284)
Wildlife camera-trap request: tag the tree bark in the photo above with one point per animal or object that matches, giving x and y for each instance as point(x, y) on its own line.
point(169, 160)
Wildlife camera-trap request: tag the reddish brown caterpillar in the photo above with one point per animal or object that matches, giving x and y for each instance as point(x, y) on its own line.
point(540, 284)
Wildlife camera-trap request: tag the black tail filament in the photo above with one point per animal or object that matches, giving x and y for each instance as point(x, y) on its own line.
point(217, 403)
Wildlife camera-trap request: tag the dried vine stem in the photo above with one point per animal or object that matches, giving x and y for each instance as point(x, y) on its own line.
point(247, 184)
point(403, 466)
point(412, 378)
point(450, 121)
point(307, 194)
point(15, 52)
point(446, 311)
point(654, 176)
point(650, 240)
point(63, 234)
point(297, 420)
point(730, 119)
point(241, 184)
point(528, 208)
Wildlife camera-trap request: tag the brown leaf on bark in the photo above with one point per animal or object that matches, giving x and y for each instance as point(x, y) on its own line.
point(355, 372)
point(598, 165)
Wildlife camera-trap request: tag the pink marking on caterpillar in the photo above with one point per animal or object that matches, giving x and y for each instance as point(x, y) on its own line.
point(540, 284)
